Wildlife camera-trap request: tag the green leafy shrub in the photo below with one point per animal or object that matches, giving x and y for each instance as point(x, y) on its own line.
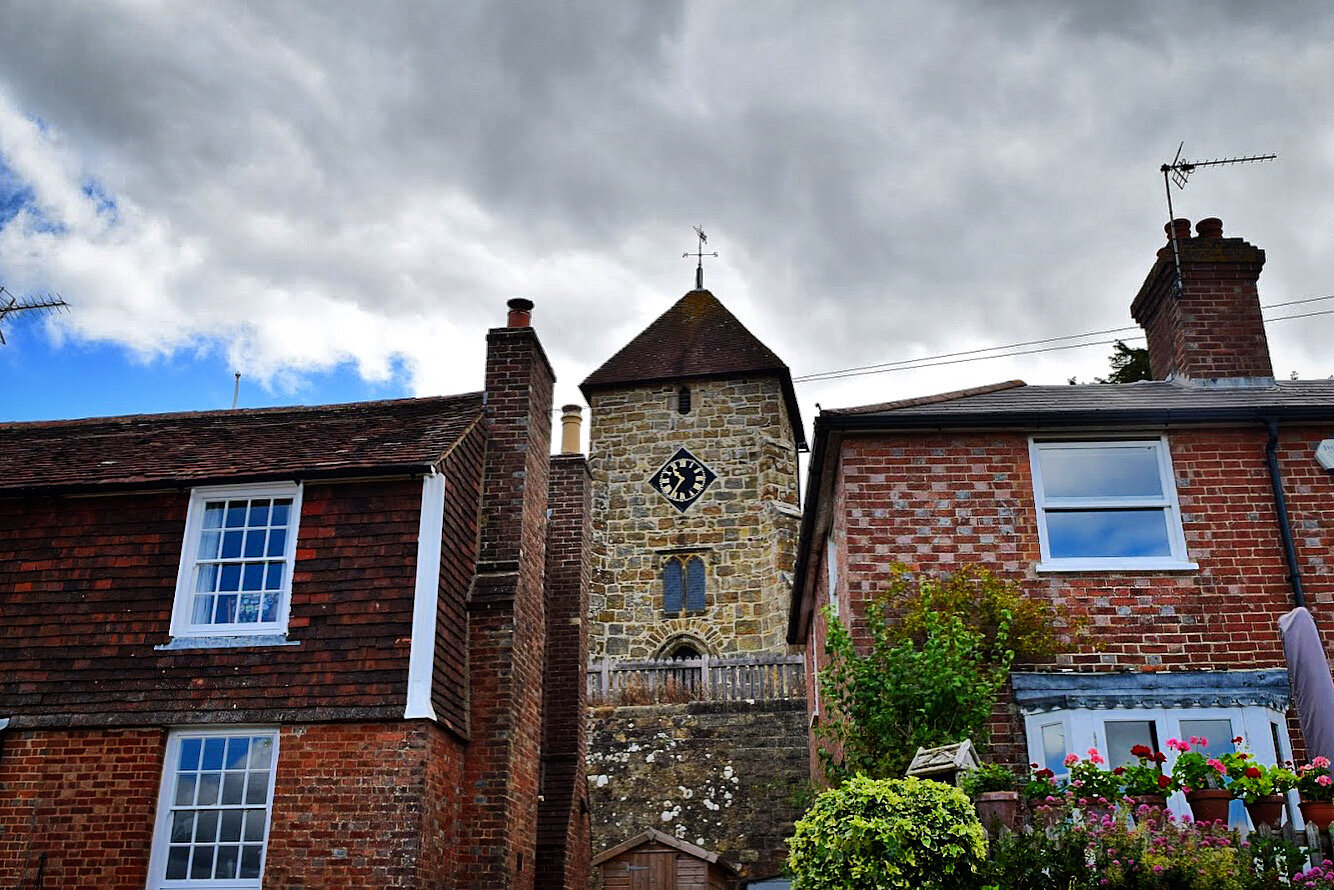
point(989, 777)
point(888, 834)
point(1032, 629)
point(902, 695)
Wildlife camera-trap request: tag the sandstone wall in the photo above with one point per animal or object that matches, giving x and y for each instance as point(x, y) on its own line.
point(744, 526)
point(724, 776)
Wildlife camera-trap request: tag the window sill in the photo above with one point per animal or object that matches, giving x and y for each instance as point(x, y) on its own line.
point(230, 642)
point(1115, 565)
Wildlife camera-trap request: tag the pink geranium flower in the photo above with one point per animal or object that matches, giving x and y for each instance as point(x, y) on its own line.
point(1323, 780)
point(1095, 757)
point(1217, 764)
point(1178, 745)
point(1320, 762)
point(1071, 759)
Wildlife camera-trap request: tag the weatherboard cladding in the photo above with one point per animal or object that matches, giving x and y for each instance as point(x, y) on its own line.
point(107, 453)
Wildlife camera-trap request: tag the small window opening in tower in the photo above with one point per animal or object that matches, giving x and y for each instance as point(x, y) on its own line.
point(684, 651)
point(683, 400)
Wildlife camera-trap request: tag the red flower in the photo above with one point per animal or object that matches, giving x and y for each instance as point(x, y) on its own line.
point(1044, 774)
point(1159, 757)
point(1252, 773)
point(1120, 770)
point(1163, 781)
point(1140, 751)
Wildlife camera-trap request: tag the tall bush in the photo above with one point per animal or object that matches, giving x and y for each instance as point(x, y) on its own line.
point(903, 694)
point(888, 834)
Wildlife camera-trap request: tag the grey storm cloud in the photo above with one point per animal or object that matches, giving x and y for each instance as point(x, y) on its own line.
point(312, 183)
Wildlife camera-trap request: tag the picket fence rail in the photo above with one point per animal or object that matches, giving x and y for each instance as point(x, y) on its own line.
point(731, 678)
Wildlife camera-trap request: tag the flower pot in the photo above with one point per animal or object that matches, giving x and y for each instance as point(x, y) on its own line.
point(1318, 812)
point(1267, 810)
point(1210, 804)
point(996, 809)
point(1152, 801)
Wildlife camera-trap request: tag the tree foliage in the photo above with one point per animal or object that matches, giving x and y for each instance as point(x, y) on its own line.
point(900, 695)
point(1035, 629)
point(1129, 364)
point(888, 834)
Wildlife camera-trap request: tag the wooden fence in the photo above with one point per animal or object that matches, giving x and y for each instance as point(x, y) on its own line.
point(735, 678)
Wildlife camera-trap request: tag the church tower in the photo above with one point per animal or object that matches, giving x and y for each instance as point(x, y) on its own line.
point(693, 452)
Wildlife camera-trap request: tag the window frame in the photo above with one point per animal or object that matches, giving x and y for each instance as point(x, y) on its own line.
point(1168, 503)
point(157, 862)
point(183, 600)
point(1086, 727)
point(682, 560)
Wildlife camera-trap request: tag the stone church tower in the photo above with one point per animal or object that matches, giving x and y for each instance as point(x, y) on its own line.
point(697, 717)
point(693, 452)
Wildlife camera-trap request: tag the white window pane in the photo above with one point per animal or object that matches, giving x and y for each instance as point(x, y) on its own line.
point(1107, 533)
point(213, 514)
point(1218, 734)
point(1122, 735)
point(227, 861)
point(1100, 472)
point(209, 542)
point(250, 860)
point(176, 862)
point(1054, 748)
point(261, 753)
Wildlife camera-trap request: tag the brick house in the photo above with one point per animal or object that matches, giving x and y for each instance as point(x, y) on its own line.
point(1182, 516)
point(319, 646)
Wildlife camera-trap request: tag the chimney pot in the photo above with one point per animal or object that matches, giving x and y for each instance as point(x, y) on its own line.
point(1181, 228)
point(521, 313)
point(571, 420)
point(1211, 227)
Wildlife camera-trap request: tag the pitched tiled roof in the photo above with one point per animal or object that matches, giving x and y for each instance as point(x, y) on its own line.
point(1168, 400)
point(217, 446)
point(696, 338)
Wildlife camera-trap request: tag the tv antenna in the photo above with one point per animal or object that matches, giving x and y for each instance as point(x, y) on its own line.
point(1179, 172)
point(12, 305)
point(699, 256)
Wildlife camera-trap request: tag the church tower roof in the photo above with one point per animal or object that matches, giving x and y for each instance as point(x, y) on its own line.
point(696, 338)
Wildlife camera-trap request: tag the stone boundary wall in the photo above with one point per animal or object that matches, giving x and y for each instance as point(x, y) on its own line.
point(725, 776)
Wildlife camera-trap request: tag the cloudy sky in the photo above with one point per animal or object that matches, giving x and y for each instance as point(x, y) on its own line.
point(336, 199)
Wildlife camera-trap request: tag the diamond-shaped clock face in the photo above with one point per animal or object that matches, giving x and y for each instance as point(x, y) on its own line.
point(682, 479)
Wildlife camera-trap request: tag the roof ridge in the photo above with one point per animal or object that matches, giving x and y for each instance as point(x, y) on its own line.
point(238, 412)
point(936, 398)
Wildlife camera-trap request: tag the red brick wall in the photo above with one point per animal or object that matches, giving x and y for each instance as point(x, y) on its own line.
point(49, 820)
point(86, 587)
point(563, 842)
point(364, 805)
point(507, 622)
point(355, 805)
point(936, 501)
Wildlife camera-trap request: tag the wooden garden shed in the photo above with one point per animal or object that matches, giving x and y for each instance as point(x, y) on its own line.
point(657, 861)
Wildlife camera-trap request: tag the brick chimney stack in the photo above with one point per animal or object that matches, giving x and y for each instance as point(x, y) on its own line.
point(1210, 332)
point(507, 614)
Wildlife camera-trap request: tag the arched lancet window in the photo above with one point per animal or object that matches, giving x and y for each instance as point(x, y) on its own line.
point(683, 584)
point(683, 400)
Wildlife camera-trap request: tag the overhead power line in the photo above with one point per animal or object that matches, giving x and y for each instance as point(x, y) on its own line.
point(1010, 350)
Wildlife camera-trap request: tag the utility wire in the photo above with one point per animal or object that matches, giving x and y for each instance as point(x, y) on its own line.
point(971, 355)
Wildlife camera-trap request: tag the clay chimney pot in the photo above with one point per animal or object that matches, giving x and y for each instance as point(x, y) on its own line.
point(1212, 227)
point(521, 313)
point(1181, 227)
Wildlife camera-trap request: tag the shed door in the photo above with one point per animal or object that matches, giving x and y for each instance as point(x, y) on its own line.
point(651, 871)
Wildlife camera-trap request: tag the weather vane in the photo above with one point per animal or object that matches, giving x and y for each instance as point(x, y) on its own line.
point(699, 256)
point(12, 305)
point(1179, 172)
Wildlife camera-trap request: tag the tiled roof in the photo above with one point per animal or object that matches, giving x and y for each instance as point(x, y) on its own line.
point(697, 337)
point(215, 446)
point(1052, 403)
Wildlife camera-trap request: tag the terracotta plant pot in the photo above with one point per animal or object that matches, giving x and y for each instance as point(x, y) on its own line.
point(1153, 801)
point(1210, 805)
point(1318, 812)
point(997, 808)
point(1267, 810)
